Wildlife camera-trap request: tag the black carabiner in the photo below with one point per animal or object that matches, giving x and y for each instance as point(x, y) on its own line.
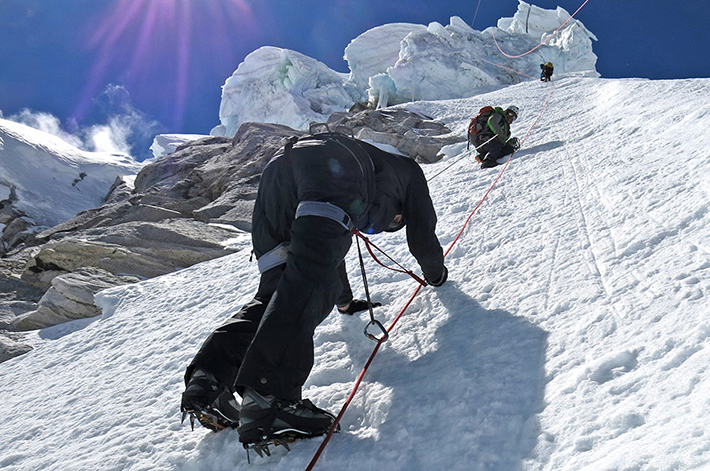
point(385, 334)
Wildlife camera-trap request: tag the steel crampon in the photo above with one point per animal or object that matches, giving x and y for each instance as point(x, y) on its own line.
point(206, 419)
point(262, 447)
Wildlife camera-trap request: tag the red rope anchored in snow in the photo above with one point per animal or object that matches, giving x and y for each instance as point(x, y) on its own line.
point(507, 162)
point(541, 43)
point(507, 68)
point(360, 377)
point(369, 244)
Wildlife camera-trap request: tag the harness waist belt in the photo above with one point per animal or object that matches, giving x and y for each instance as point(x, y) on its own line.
point(326, 210)
point(278, 254)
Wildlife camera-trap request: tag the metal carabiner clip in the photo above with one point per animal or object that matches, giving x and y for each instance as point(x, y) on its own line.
point(385, 334)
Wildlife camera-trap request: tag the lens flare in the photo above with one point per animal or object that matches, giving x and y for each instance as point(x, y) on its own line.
point(152, 46)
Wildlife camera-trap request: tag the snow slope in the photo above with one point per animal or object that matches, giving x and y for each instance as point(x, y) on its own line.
point(572, 333)
point(51, 179)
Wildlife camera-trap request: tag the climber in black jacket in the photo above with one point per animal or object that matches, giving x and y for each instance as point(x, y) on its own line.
point(311, 196)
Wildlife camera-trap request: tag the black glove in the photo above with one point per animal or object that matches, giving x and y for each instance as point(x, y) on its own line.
point(514, 143)
point(358, 305)
point(441, 280)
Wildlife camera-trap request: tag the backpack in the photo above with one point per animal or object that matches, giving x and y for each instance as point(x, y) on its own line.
point(478, 122)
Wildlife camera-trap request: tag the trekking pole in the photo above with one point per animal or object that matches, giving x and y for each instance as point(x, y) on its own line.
point(462, 156)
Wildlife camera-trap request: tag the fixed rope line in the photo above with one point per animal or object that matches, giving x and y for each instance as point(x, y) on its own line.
point(475, 14)
point(373, 321)
point(369, 244)
point(508, 69)
point(358, 381)
point(463, 154)
point(542, 42)
point(379, 343)
point(507, 162)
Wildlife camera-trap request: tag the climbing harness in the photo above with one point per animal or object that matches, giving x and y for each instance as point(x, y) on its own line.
point(326, 210)
point(273, 258)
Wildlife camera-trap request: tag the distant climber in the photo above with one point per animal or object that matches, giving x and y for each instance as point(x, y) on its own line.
point(489, 132)
point(546, 71)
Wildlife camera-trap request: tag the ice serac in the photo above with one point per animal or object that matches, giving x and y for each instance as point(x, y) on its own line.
point(456, 61)
point(571, 47)
point(281, 86)
point(400, 63)
point(375, 50)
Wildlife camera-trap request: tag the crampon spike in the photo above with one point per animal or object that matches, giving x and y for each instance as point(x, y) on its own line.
point(259, 451)
point(262, 448)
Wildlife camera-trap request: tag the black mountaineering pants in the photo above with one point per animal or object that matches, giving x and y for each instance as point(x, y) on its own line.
point(494, 149)
point(268, 344)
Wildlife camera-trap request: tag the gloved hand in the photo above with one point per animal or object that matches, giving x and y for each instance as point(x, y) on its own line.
point(441, 280)
point(358, 305)
point(514, 143)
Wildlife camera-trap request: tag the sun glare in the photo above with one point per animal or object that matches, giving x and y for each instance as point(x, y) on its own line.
point(154, 44)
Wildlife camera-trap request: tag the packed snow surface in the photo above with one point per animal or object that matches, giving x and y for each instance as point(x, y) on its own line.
point(164, 144)
point(572, 333)
point(50, 179)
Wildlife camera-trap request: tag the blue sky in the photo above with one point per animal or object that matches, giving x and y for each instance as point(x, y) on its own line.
point(82, 60)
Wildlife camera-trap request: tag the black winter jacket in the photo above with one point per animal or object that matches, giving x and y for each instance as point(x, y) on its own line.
point(371, 185)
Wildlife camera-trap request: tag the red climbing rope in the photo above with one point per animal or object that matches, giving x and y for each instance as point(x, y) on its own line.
point(541, 43)
point(507, 68)
point(369, 244)
point(507, 162)
point(360, 377)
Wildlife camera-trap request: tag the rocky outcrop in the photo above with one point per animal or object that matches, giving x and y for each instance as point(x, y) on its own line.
point(14, 225)
point(70, 297)
point(181, 210)
point(16, 296)
point(12, 345)
point(413, 134)
point(215, 179)
point(141, 248)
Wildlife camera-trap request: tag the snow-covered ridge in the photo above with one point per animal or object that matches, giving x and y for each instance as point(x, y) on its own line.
point(581, 284)
point(399, 63)
point(51, 180)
